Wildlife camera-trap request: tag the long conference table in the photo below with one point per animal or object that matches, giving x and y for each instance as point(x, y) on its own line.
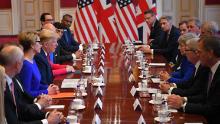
point(117, 99)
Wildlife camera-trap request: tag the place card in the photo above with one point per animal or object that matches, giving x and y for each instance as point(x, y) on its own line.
point(99, 91)
point(96, 119)
point(141, 120)
point(133, 91)
point(101, 69)
point(98, 104)
point(101, 62)
point(137, 105)
point(103, 51)
point(131, 78)
point(102, 56)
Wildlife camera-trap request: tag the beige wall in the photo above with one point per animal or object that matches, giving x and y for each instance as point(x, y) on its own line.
point(25, 15)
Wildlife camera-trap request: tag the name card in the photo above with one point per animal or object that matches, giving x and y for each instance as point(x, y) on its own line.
point(99, 91)
point(98, 104)
point(101, 69)
point(102, 56)
point(133, 91)
point(103, 51)
point(137, 105)
point(131, 78)
point(101, 62)
point(96, 119)
point(141, 120)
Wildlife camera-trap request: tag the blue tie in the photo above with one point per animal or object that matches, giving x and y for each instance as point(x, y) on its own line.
point(66, 35)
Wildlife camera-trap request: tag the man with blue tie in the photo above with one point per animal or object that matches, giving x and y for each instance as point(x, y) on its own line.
point(67, 40)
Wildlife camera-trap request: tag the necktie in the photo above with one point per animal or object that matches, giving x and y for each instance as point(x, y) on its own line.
point(210, 81)
point(13, 95)
point(12, 92)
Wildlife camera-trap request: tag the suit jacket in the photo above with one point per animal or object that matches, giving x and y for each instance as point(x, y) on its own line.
point(196, 85)
point(169, 46)
point(67, 42)
point(157, 34)
point(184, 73)
point(61, 55)
point(44, 68)
point(208, 104)
point(21, 113)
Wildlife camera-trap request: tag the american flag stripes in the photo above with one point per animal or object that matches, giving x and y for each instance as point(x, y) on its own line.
point(85, 24)
point(126, 20)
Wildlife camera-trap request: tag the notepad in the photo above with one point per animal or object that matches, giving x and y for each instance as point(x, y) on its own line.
point(157, 64)
point(72, 83)
point(63, 95)
point(56, 107)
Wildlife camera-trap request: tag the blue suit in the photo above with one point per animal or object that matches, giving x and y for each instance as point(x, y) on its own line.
point(185, 73)
point(67, 42)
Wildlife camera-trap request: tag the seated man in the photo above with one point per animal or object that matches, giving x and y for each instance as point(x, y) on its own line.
point(62, 55)
point(67, 41)
point(209, 28)
point(47, 69)
point(17, 111)
point(207, 103)
point(156, 33)
point(194, 25)
point(196, 84)
point(169, 46)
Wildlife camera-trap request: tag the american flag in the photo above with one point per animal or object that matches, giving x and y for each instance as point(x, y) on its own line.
point(106, 19)
point(126, 20)
point(143, 28)
point(85, 23)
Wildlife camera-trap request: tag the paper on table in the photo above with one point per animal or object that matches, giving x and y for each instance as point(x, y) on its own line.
point(63, 95)
point(56, 107)
point(193, 123)
point(157, 64)
point(155, 80)
point(72, 83)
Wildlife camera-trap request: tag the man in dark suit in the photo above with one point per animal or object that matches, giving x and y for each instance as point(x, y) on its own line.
point(67, 40)
point(197, 83)
point(206, 103)
point(156, 33)
point(44, 68)
point(18, 111)
point(169, 46)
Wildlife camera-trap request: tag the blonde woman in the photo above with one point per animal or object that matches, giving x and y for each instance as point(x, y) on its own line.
point(2, 89)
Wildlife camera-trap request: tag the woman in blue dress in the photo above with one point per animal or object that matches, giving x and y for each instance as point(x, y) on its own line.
point(30, 75)
point(186, 70)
